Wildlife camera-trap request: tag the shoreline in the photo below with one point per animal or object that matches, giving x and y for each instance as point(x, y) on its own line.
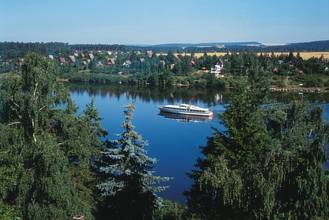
point(300, 89)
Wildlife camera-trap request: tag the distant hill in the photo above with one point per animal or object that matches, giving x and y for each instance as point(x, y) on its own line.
point(244, 46)
point(306, 46)
point(202, 45)
point(18, 49)
point(236, 47)
point(217, 46)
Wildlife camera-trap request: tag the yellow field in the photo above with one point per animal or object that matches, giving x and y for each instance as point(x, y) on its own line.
point(307, 55)
point(304, 55)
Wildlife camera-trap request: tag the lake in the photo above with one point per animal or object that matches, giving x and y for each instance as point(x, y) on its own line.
point(175, 142)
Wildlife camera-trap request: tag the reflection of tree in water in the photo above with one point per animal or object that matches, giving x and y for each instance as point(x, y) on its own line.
point(172, 95)
point(183, 95)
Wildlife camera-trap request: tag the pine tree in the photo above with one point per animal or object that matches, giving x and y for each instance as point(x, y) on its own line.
point(128, 187)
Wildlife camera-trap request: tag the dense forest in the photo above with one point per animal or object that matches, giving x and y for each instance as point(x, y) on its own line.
point(57, 164)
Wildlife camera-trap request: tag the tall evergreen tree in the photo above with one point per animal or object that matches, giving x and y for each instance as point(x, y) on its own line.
point(128, 187)
point(268, 164)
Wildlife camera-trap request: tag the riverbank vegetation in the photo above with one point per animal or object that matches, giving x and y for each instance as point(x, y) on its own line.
point(269, 164)
point(57, 164)
point(147, 68)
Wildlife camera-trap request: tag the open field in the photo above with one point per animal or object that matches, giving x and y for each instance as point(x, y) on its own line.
point(304, 55)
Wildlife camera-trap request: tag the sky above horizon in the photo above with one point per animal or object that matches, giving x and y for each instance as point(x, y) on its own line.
point(169, 21)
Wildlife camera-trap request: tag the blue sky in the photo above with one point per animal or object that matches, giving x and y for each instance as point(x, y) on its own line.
point(164, 21)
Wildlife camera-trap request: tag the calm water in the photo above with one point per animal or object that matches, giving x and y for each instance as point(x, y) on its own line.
point(174, 142)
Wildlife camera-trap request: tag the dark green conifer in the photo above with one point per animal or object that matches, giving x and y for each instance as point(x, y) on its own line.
point(128, 187)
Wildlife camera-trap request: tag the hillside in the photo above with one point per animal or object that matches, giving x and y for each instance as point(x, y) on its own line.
point(18, 49)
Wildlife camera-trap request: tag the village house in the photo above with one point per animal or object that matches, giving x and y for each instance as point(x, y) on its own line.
point(62, 60)
point(127, 63)
point(91, 56)
point(72, 58)
point(111, 61)
point(149, 53)
point(19, 61)
point(217, 70)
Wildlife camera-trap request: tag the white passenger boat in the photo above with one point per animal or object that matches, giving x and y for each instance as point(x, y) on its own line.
point(185, 109)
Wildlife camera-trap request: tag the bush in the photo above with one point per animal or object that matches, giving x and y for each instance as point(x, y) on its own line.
point(8, 213)
point(172, 211)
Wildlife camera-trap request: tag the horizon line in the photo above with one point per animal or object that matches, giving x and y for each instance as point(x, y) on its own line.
point(155, 44)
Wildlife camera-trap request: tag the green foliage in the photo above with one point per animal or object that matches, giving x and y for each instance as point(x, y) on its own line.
point(8, 213)
point(268, 164)
point(45, 150)
point(172, 211)
point(127, 180)
point(46, 190)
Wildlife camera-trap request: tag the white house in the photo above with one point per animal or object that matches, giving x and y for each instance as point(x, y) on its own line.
point(127, 63)
point(91, 56)
point(72, 58)
point(149, 53)
point(217, 70)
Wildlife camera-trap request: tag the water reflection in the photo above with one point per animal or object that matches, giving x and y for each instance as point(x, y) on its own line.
point(186, 118)
point(170, 95)
point(211, 97)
